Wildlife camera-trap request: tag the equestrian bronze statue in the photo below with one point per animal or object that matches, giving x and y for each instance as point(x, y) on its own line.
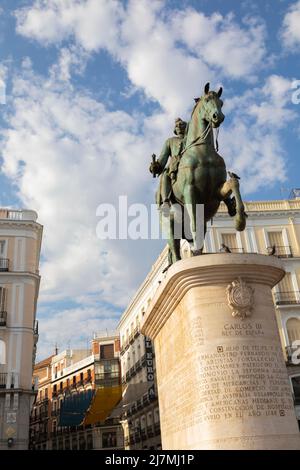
point(196, 173)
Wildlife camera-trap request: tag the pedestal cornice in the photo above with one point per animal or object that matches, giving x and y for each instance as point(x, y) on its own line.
point(207, 270)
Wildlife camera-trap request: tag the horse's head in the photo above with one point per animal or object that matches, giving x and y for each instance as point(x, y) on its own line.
point(210, 106)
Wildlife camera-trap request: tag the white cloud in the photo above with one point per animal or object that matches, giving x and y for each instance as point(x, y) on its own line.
point(223, 43)
point(72, 61)
point(290, 32)
point(72, 149)
point(67, 152)
point(94, 23)
point(162, 51)
point(76, 328)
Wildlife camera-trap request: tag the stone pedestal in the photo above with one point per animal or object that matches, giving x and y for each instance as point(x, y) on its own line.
point(221, 376)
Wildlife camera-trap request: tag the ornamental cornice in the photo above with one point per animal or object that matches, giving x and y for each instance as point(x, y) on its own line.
point(27, 223)
point(207, 270)
point(264, 214)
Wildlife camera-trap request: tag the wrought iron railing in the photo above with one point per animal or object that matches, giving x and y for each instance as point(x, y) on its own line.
point(4, 264)
point(3, 317)
point(8, 380)
point(107, 375)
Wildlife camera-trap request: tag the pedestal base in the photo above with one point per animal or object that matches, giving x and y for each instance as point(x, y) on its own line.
point(221, 376)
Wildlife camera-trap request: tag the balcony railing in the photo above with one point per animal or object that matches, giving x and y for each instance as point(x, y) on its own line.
point(287, 298)
point(107, 376)
point(4, 264)
point(8, 380)
point(150, 432)
point(3, 317)
point(283, 251)
point(156, 428)
point(22, 214)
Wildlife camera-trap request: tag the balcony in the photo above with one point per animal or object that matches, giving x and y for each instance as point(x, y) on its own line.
point(3, 316)
point(124, 347)
point(139, 404)
point(18, 214)
point(131, 338)
point(150, 432)
point(283, 251)
point(107, 376)
point(156, 429)
point(8, 380)
point(4, 264)
point(287, 298)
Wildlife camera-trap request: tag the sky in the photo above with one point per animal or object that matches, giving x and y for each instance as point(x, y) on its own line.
point(89, 89)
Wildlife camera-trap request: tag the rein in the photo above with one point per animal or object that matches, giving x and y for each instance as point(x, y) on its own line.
point(200, 139)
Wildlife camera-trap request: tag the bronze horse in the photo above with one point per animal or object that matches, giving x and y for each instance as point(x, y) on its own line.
point(202, 176)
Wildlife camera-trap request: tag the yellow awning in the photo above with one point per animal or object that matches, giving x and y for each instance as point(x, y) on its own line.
point(105, 399)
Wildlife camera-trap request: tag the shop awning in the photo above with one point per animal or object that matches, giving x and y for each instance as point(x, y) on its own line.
point(102, 404)
point(74, 408)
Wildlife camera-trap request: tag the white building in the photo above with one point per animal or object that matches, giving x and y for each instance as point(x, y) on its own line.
point(20, 245)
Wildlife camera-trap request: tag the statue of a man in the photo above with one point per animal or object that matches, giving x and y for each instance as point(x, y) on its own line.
point(171, 150)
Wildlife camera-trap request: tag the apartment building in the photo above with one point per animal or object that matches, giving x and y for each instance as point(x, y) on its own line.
point(20, 245)
point(140, 410)
point(77, 390)
point(272, 227)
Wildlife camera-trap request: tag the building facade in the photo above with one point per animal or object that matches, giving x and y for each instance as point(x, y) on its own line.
point(140, 418)
point(272, 227)
point(69, 385)
point(20, 245)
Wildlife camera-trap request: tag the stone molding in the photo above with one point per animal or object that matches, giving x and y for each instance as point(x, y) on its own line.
point(207, 270)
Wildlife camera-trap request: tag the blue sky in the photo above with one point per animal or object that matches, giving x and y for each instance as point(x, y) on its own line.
point(92, 90)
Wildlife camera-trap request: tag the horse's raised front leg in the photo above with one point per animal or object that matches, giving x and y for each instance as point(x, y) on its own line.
point(232, 186)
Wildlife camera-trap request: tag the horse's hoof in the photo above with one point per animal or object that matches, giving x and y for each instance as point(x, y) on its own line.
point(240, 222)
point(197, 252)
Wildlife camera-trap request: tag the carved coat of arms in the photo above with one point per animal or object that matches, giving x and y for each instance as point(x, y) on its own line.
point(240, 298)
